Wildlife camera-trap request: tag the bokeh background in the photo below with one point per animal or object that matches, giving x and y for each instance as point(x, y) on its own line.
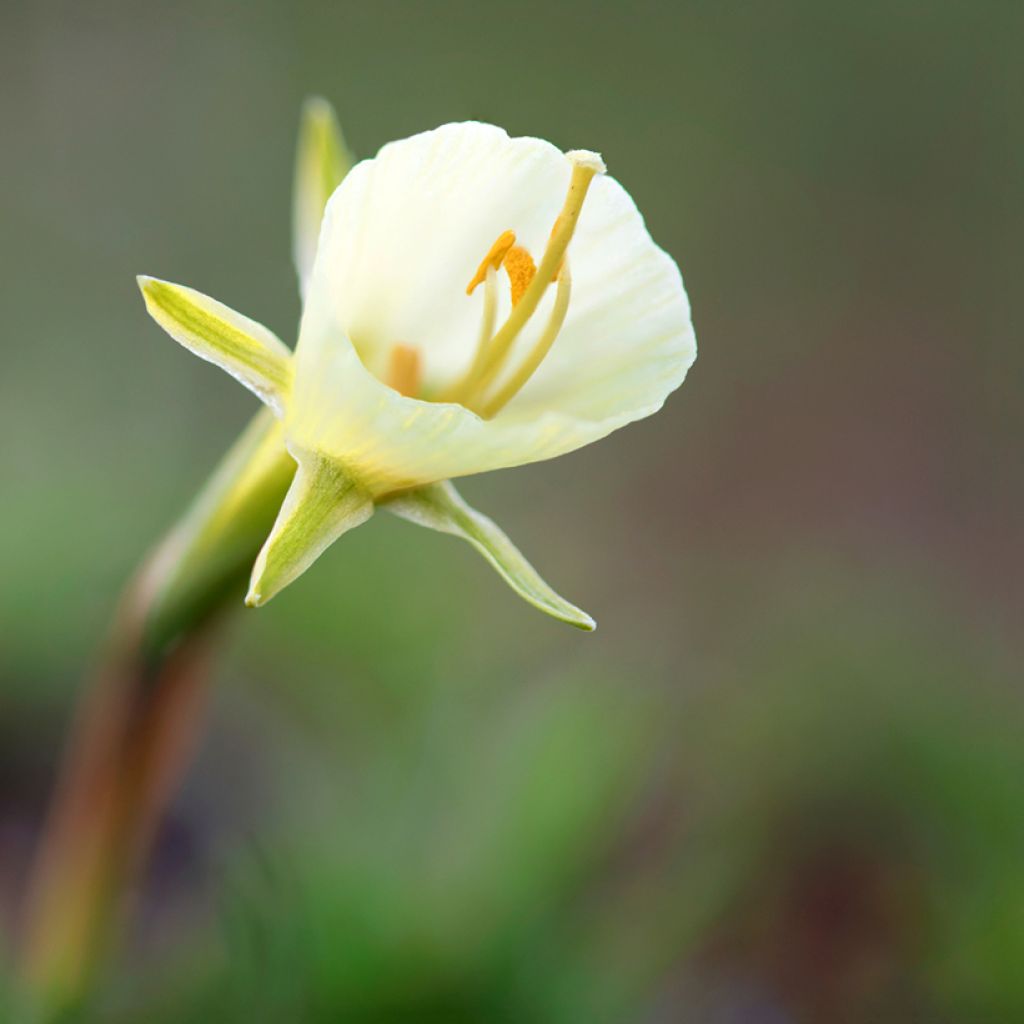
point(783, 781)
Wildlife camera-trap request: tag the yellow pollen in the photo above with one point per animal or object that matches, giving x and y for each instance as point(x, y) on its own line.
point(404, 370)
point(520, 268)
point(494, 258)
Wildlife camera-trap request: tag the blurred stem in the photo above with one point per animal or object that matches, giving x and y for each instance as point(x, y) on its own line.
point(140, 717)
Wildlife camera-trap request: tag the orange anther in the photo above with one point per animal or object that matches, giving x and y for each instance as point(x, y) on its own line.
point(520, 268)
point(404, 370)
point(494, 258)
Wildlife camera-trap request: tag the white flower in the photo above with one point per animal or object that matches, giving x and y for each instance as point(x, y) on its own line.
point(404, 377)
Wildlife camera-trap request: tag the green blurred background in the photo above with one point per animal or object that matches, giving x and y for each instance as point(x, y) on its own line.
point(783, 781)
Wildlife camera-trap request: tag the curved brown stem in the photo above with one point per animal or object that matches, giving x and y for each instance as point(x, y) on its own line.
point(140, 718)
point(130, 744)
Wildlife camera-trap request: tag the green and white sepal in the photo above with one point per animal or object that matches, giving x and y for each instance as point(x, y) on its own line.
point(321, 161)
point(251, 353)
point(440, 507)
point(322, 503)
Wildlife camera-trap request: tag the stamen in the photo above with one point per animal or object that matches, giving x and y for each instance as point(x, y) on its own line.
point(405, 370)
point(521, 270)
point(487, 320)
point(528, 284)
point(540, 349)
point(494, 258)
point(585, 166)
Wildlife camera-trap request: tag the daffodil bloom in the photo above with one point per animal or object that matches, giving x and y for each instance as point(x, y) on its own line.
point(476, 302)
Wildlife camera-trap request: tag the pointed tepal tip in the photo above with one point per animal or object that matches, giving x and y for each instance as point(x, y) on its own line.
point(152, 289)
point(317, 116)
point(316, 106)
point(267, 579)
point(573, 616)
point(585, 622)
point(149, 290)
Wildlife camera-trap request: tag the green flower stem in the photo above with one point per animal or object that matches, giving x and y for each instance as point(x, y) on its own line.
point(140, 717)
point(208, 557)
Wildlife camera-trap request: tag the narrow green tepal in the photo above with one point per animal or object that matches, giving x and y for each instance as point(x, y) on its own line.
point(321, 161)
point(248, 351)
point(440, 507)
point(322, 504)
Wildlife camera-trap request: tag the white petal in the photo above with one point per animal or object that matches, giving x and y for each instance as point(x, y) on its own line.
point(402, 236)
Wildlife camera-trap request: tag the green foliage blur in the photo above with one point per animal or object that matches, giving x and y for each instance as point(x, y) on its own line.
point(783, 781)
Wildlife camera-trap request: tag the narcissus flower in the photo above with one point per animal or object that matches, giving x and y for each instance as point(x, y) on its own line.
point(475, 302)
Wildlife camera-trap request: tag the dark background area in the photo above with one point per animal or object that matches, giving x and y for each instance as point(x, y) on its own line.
point(783, 779)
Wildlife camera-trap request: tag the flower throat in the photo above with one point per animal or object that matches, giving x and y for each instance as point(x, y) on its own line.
point(479, 388)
